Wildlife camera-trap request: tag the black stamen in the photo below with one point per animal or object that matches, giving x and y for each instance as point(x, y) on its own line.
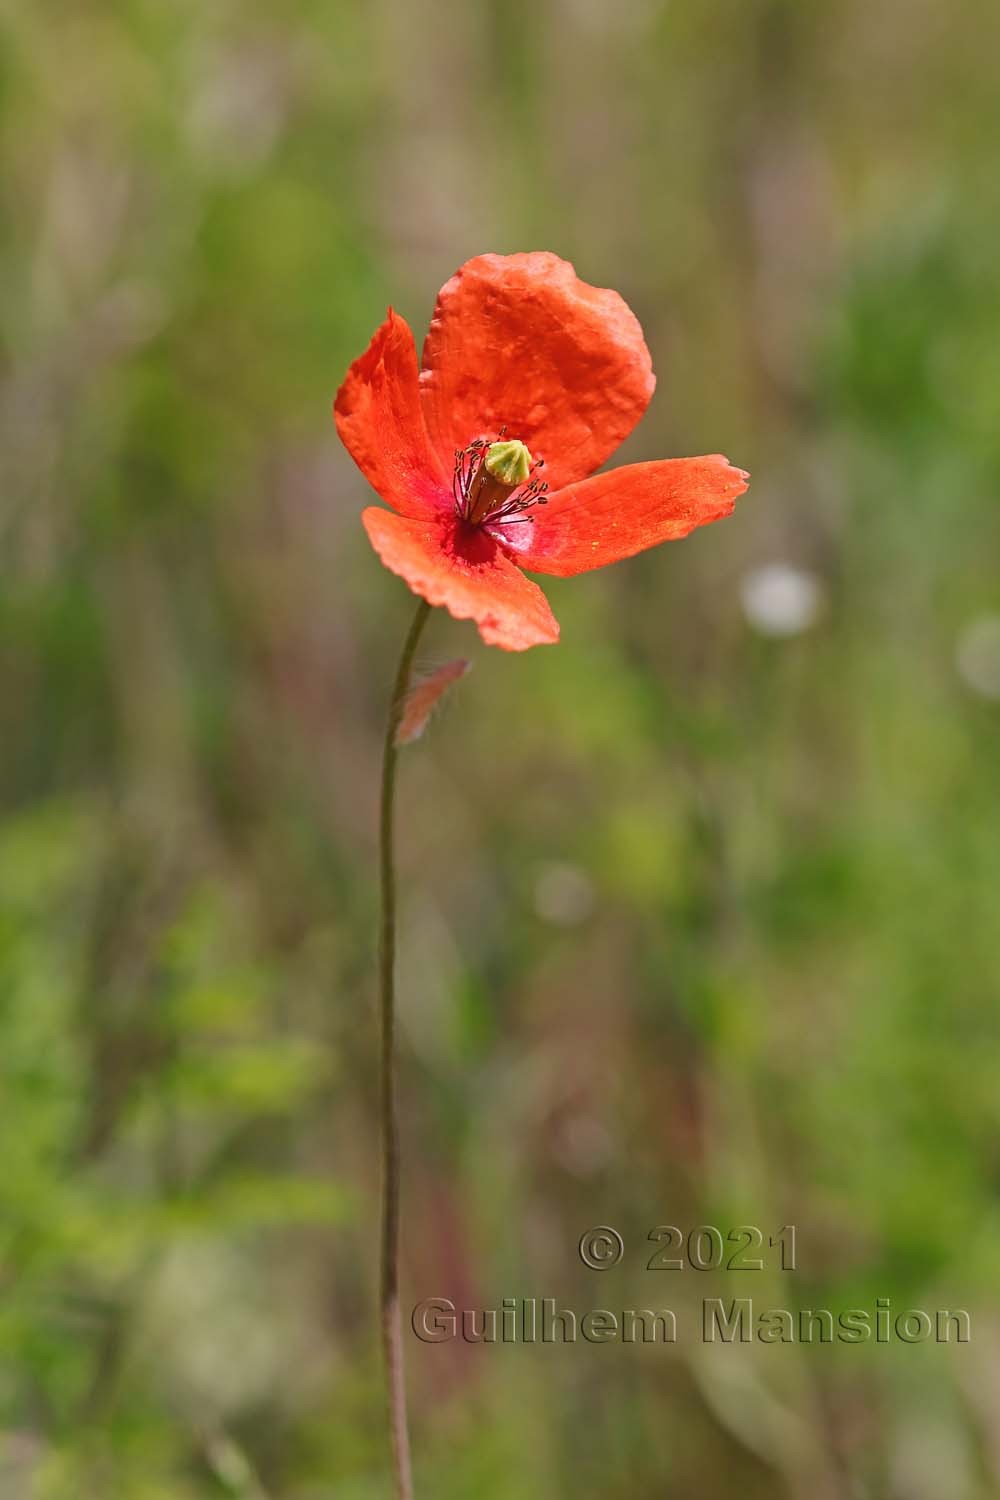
point(468, 482)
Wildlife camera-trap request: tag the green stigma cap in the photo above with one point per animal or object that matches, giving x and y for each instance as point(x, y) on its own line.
point(510, 463)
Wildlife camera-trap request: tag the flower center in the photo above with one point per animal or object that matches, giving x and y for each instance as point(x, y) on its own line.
point(496, 480)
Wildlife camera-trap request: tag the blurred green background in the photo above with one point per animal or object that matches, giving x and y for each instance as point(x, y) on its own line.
point(699, 908)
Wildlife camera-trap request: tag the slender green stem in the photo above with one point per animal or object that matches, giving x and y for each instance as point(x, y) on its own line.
point(392, 1331)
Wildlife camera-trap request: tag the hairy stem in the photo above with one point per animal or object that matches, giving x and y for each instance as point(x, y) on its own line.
point(392, 1331)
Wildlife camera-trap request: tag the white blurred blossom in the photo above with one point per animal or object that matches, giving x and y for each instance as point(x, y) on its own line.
point(780, 600)
point(564, 895)
point(239, 107)
point(583, 1145)
point(977, 656)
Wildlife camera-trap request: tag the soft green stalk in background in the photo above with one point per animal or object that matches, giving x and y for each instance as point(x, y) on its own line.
point(756, 984)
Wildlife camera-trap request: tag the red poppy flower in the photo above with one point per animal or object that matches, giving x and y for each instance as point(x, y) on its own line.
point(524, 366)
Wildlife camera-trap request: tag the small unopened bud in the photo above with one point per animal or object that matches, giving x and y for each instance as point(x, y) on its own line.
point(509, 463)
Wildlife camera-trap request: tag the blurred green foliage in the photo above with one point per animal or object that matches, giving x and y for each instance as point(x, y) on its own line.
point(699, 917)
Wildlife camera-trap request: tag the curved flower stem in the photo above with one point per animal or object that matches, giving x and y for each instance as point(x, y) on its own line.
point(392, 1332)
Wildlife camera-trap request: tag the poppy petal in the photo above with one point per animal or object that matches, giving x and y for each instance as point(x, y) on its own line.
point(624, 511)
point(381, 424)
point(424, 697)
point(468, 572)
point(519, 341)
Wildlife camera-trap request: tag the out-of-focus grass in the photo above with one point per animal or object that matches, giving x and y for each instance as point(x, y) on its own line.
point(699, 921)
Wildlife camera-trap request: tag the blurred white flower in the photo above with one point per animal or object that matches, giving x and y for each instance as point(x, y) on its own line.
point(977, 656)
point(239, 108)
point(780, 600)
point(216, 1323)
point(564, 895)
point(583, 1145)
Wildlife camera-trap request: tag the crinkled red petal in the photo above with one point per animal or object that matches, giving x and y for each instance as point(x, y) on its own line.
point(521, 341)
point(624, 511)
point(381, 423)
point(467, 571)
